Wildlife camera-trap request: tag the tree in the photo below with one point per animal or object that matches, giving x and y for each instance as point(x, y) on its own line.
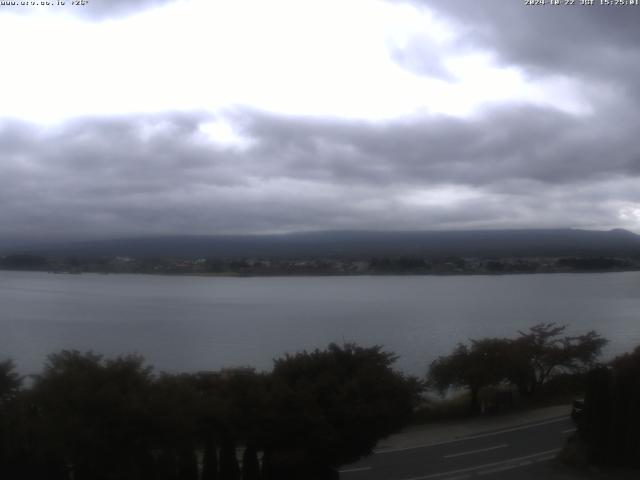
point(229, 468)
point(188, 463)
point(210, 460)
point(23, 261)
point(485, 362)
point(88, 417)
point(94, 413)
point(250, 464)
point(542, 351)
point(330, 407)
point(611, 423)
point(527, 362)
point(10, 381)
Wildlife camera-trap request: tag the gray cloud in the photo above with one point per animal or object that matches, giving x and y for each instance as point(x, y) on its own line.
point(515, 165)
point(598, 41)
point(514, 142)
point(146, 174)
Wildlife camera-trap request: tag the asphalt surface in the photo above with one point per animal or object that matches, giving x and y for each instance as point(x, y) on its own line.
point(509, 453)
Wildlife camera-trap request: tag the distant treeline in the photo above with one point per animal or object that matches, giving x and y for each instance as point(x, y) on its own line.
point(24, 261)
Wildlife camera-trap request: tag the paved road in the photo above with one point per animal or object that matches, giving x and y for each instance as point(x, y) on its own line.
point(487, 455)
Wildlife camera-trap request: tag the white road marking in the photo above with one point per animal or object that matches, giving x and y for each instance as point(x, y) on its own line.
point(472, 437)
point(470, 452)
point(544, 459)
point(569, 430)
point(512, 461)
point(349, 470)
point(496, 470)
point(512, 466)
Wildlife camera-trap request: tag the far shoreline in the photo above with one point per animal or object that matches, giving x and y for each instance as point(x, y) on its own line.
point(324, 275)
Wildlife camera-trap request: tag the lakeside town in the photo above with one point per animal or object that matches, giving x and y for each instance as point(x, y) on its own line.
point(450, 265)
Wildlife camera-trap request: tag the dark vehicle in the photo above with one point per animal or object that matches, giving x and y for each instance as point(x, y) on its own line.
point(577, 410)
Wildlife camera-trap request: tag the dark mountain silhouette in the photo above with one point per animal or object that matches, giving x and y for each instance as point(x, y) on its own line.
point(358, 244)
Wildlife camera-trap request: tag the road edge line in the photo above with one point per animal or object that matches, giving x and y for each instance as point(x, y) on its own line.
point(474, 436)
point(486, 465)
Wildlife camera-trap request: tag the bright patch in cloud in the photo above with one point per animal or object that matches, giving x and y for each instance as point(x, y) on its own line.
point(222, 133)
point(630, 215)
point(440, 196)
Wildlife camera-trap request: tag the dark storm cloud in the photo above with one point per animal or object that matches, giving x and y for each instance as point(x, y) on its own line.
point(515, 142)
point(105, 173)
point(148, 174)
point(598, 41)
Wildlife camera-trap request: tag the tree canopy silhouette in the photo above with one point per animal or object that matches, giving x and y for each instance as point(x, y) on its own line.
point(527, 361)
point(330, 407)
point(610, 425)
point(90, 418)
point(543, 350)
point(483, 363)
point(10, 381)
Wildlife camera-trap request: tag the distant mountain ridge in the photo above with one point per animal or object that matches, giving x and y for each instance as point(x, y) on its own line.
point(356, 244)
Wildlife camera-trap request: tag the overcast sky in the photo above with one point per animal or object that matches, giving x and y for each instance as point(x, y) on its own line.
point(252, 116)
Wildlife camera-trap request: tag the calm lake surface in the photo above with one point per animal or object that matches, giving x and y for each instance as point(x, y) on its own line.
point(196, 323)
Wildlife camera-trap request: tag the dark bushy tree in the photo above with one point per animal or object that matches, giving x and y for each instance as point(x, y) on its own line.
point(543, 351)
point(94, 412)
point(174, 406)
point(611, 423)
point(330, 407)
point(485, 362)
point(229, 468)
point(528, 362)
point(250, 463)
point(10, 381)
point(12, 444)
point(188, 463)
point(210, 460)
point(168, 468)
point(88, 417)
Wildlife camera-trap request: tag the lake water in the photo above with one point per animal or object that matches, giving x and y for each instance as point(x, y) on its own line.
point(186, 323)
